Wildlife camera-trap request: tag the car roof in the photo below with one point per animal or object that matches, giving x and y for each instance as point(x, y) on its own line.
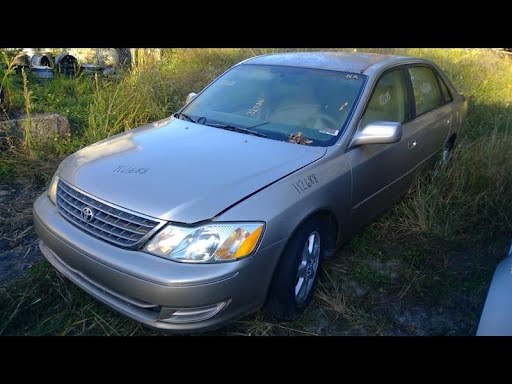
point(334, 61)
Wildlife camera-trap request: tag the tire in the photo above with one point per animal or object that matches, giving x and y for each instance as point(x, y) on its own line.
point(287, 298)
point(445, 156)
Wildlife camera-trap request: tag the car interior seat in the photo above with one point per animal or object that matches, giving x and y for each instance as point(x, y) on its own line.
point(295, 109)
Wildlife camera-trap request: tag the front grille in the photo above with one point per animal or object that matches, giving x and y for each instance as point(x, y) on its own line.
point(102, 220)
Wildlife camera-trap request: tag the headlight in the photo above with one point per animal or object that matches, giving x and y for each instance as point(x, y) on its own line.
point(52, 189)
point(207, 243)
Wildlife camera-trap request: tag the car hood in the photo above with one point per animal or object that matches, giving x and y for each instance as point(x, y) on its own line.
point(180, 171)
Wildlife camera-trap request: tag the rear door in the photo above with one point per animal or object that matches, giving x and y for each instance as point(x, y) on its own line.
point(432, 112)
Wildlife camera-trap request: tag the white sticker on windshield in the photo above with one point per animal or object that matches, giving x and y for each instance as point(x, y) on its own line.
point(256, 107)
point(328, 131)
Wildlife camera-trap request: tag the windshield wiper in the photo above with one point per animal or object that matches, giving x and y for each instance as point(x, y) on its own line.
point(233, 128)
point(186, 117)
point(228, 127)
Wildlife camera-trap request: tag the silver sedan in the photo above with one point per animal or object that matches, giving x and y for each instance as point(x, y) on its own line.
point(233, 202)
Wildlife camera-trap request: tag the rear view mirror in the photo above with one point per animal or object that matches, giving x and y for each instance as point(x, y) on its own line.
point(190, 97)
point(378, 132)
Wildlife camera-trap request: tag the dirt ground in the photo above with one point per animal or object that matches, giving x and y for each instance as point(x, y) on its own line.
point(18, 241)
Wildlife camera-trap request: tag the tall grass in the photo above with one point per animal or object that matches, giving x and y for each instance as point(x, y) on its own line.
point(470, 200)
point(27, 141)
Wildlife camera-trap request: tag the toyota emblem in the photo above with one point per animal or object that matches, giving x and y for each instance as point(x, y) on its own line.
point(87, 214)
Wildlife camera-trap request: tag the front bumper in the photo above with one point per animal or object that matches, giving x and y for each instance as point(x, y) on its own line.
point(151, 289)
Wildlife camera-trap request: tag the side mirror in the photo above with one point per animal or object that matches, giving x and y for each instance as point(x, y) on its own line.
point(190, 97)
point(378, 132)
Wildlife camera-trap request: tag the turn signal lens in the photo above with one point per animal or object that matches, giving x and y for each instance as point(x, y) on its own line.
point(249, 243)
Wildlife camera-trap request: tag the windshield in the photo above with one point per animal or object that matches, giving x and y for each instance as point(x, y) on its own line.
point(301, 105)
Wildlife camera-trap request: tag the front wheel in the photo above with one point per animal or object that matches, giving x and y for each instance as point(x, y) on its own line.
point(296, 274)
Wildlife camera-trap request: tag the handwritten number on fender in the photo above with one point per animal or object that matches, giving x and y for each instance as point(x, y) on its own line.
point(307, 182)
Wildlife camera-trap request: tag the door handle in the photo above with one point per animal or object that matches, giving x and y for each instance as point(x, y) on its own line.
point(412, 144)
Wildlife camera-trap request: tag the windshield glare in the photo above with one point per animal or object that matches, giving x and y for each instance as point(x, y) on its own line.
point(280, 102)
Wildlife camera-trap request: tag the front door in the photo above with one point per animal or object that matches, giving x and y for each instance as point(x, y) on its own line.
point(380, 172)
